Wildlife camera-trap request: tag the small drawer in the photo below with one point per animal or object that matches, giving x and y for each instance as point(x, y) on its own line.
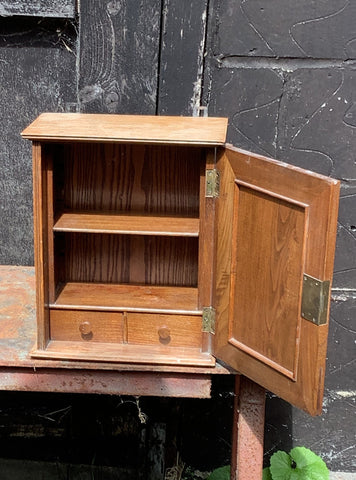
point(86, 326)
point(172, 330)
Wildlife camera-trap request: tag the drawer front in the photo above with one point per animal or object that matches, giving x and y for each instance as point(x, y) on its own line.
point(171, 330)
point(86, 326)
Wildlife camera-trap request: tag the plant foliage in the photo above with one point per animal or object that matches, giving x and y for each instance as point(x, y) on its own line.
point(300, 464)
point(222, 473)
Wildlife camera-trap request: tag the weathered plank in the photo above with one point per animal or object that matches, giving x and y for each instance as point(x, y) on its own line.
point(345, 259)
point(119, 45)
point(182, 56)
point(37, 73)
point(250, 98)
point(285, 28)
point(38, 8)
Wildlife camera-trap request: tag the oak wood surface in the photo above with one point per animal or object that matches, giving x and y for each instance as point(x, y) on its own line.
point(267, 263)
point(161, 180)
point(137, 259)
point(48, 197)
point(100, 326)
point(206, 246)
point(18, 337)
point(122, 225)
point(142, 298)
point(128, 129)
point(40, 244)
point(124, 353)
point(127, 224)
point(264, 245)
point(170, 330)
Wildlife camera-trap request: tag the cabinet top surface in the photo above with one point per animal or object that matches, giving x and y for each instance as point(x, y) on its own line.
point(127, 128)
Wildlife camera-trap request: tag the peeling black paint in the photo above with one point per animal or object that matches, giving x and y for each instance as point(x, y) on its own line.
point(39, 8)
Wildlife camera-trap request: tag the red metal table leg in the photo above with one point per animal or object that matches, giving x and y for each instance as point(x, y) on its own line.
point(248, 430)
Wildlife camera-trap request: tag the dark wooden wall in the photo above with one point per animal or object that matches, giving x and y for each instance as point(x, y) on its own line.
point(284, 74)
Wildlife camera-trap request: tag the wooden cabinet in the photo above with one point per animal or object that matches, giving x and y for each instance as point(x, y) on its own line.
point(158, 244)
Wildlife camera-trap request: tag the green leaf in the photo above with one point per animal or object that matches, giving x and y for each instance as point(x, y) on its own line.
point(267, 474)
point(281, 466)
point(303, 456)
point(312, 466)
point(300, 464)
point(222, 473)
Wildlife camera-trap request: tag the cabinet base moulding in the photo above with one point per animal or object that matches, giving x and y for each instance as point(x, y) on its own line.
point(105, 352)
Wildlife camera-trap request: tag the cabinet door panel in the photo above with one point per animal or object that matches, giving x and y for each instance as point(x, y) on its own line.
point(275, 223)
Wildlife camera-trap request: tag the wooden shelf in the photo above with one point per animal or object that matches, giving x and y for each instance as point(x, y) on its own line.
point(109, 352)
point(129, 298)
point(127, 224)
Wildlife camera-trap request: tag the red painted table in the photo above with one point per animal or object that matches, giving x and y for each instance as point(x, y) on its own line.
point(18, 371)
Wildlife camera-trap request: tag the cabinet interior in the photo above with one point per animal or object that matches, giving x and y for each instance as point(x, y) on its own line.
point(124, 219)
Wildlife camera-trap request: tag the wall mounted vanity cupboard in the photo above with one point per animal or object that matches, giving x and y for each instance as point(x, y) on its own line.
point(158, 244)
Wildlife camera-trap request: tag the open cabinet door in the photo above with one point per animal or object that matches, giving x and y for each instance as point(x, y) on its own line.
point(275, 242)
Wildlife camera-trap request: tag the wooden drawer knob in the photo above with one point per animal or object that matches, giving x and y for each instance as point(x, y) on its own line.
point(85, 328)
point(164, 332)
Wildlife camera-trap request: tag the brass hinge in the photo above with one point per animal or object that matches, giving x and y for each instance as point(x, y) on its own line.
point(212, 183)
point(315, 299)
point(208, 320)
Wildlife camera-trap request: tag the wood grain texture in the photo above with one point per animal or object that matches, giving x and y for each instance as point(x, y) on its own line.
point(146, 260)
point(99, 296)
point(182, 52)
point(180, 331)
point(119, 45)
point(101, 326)
point(128, 128)
point(39, 76)
point(268, 240)
point(41, 244)
point(127, 224)
point(130, 190)
point(129, 179)
point(48, 197)
point(320, 193)
point(38, 8)
point(206, 246)
point(18, 337)
point(137, 354)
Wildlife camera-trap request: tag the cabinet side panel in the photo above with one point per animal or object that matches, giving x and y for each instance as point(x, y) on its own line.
point(40, 245)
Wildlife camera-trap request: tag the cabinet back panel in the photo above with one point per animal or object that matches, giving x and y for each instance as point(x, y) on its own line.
point(129, 178)
point(134, 259)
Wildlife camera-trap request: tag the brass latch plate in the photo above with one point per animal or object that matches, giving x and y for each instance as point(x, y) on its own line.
point(212, 183)
point(208, 320)
point(315, 299)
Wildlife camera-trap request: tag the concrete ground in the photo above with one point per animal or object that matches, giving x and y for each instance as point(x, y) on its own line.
point(342, 476)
